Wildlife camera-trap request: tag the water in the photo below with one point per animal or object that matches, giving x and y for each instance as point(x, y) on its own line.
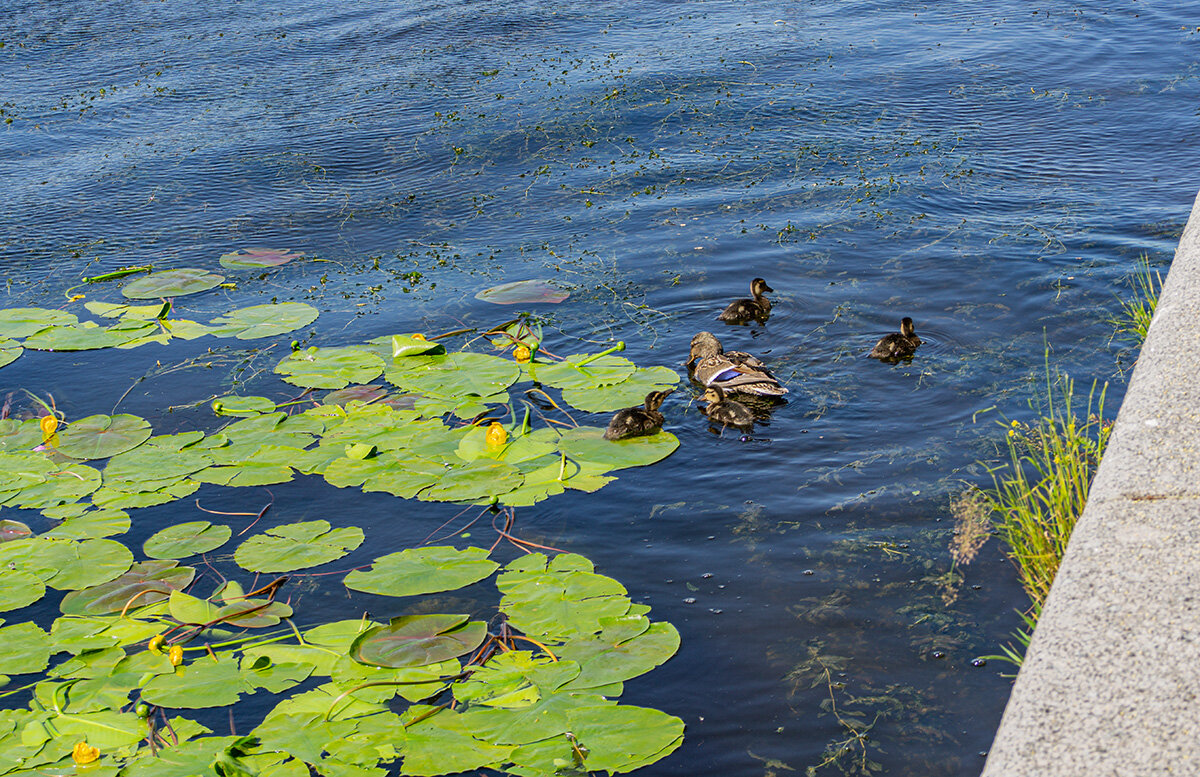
point(992, 173)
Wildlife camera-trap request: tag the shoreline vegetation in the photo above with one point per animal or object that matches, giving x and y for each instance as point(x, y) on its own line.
point(1039, 493)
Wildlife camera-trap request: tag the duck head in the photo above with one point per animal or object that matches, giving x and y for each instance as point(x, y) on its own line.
point(655, 399)
point(758, 286)
point(906, 327)
point(714, 395)
point(704, 344)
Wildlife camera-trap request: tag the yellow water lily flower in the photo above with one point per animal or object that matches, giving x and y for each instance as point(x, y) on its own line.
point(418, 336)
point(155, 643)
point(521, 354)
point(496, 434)
point(49, 425)
point(175, 654)
point(84, 753)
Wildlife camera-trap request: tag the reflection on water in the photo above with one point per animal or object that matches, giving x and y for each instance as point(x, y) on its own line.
point(992, 173)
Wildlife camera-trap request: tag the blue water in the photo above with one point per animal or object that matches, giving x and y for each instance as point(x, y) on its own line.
point(992, 172)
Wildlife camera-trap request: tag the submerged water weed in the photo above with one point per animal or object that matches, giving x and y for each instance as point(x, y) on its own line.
point(1040, 493)
point(1134, 321)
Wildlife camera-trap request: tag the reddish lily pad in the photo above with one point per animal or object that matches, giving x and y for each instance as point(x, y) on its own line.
point(367, 393)
point(418, 640)
point(146, 582)
point(258, 258)
point(172, 283)
point(523, 293)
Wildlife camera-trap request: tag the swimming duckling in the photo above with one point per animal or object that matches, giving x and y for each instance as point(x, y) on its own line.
point(742, 310)
point(727, 412)
point(895, 347)
point(638, 421)
point(733, 371)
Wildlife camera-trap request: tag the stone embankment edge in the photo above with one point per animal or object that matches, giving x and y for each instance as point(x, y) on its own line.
point(1111, 680)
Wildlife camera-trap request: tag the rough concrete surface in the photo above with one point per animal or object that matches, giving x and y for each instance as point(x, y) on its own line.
point(1111, 681)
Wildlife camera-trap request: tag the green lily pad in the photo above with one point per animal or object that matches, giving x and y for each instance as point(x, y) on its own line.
point(297, 546)
point(523, 293)
point(198, 684)
point(83, 523)
point(172, 283)
point(630, 392)
point(19, 589)
point(258, 258)
point(559, 598)
point(24, 648)
point(10, 350)
point(422, 571)
point(101, 436)
point(136, 312)
point(569, 373)
point(264, 320)
point(417, 640)
point(330, 368)
point(453, 374)
point(410, 345)
point(87, 563)
point(146, 582)
point(242, 407)
point(622, 738)
point(186, 539)
point(587, 444)
point(22, 322)
point(442, 744)
point(473, 480)
point(81, 337)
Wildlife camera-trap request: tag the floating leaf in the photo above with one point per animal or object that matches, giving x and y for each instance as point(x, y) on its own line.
point(559, 598)
point(473, 480)
point(630, 392)
point(587, 444)
point(258, 258)
point(625, 648)
point(330, 368)
point(297, 546)
point(201, 683)
point(441, 743)
point(417, 640)
point(172, 283)
point(19, 589)
point(82, 337)
point(453, 374)
point(264, 320)
point(87, 563)
point(137, 312)
point(83, 523)
point(368, 393)
point(571, 373)
point(25, 648)
point(621, 738)
point(22, 322)
point(411, 345)
point(523, 293)
point(61, 486)
point(146, 582)
point(101, 436)
point(423, 571)
point(187, 539)
point(13, 530)
point(9, 351)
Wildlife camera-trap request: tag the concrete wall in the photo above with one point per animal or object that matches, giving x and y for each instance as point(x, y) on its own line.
point(1111, 681)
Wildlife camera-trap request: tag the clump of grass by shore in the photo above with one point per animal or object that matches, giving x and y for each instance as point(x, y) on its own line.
point(1134, 320)
point(1039, 494)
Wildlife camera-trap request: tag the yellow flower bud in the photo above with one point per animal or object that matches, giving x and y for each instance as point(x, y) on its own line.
point(175, 653)
point(521, 354)
point(49, 425)
point(418, 336)
point(155, 643)
point(496, 434)
point(84, 753)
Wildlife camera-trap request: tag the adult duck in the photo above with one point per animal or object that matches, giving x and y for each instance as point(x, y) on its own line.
point(897, 346)
point(732, 371)
point(758, 308)
point(638, 421)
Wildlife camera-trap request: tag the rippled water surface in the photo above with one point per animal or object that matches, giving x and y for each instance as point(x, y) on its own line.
point(993, 173)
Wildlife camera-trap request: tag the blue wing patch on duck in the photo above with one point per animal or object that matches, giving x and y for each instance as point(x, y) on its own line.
point(733, 371)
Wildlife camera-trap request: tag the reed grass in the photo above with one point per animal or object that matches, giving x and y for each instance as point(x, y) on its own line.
point(1039, 494)
point(1134, 320)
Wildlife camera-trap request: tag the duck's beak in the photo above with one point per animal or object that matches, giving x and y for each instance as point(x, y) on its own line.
point(767, 288)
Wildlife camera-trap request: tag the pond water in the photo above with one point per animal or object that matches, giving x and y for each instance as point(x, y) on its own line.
point(992, 173)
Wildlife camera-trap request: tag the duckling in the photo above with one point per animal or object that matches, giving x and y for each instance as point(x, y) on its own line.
point(742, 310)
point(895, 347)
point(727, 412)
point(638, 421)
point(733, 371)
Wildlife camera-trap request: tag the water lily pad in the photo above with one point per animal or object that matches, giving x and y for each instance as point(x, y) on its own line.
point(10, 350)
point(559, 598)
point(172, 283)
point(443, 744)
point(587, 444)
point(101, 436)
point(22, 322)
point(473, 480)
point(368, 393)
point(186, 539)
point(409, 345)
point(297, 546)
point(87, 563)
point(82, 337)
point(84, 523)
point(622, 738)
point(25, 648)
point(19, 589)
point(202, 683)
point(13, 530)
point(146, 582)
point(630, 392)
point(264, 320)
point(137, 312)
point(423, 571)
point(60, 486)
point(417, 640)
point(571, 373)
point(242, 407)
point(330, 368)
point(258, 258)
point(453, 374)
point(523, 293)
